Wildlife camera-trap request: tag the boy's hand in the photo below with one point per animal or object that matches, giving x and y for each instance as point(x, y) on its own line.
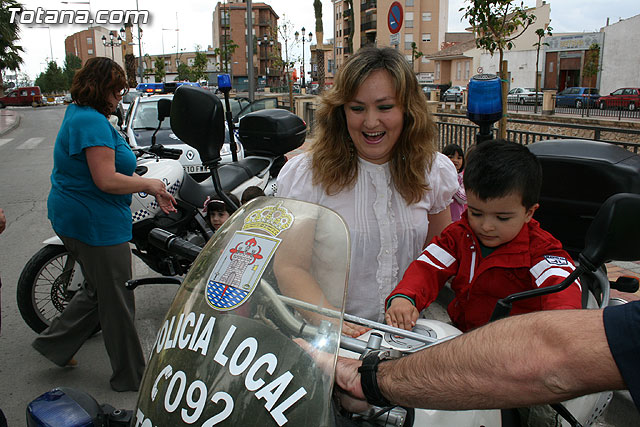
point(401, 314)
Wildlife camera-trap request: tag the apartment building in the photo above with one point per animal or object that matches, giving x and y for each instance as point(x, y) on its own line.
point(88, 44)
point(360, 23)
point(229, 29)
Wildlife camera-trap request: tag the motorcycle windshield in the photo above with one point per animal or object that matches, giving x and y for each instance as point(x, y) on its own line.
point(275, 272)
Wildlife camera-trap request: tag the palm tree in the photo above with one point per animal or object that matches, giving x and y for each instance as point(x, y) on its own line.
point(317, 8)
point(9, 52)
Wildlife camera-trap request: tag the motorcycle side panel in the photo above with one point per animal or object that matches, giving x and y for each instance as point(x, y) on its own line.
point(144, 205)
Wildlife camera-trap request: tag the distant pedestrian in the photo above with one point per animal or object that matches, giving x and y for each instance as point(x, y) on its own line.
point(455, 153)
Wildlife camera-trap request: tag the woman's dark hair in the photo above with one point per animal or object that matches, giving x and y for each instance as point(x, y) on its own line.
point(217, 205)
point(451, 149)
point(95, 81)
point(498, 168)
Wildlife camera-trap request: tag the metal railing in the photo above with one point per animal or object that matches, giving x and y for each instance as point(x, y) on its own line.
point(464, 134)
point(614, 108)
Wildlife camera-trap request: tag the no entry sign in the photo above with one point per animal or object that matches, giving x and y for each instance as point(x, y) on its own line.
point(395, 17)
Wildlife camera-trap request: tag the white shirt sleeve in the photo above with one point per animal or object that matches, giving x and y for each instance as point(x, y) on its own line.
point(443, 180)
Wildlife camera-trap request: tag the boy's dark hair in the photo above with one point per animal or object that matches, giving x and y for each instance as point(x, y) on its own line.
point(251, 192)
point(217, 205)
point(451, 149)
point(498, 168)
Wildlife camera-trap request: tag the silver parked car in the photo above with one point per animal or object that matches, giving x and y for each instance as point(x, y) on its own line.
point(454, 93)
point(524, 95)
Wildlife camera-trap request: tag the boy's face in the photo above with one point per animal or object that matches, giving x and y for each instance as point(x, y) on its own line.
point(497, 221)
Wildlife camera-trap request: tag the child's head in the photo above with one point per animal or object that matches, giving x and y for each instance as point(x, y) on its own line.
point(456, 154)
point(218, 211)
point(251, 192)
point(502, 180)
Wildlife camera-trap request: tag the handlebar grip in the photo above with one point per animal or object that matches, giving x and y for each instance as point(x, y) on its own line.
point(626, 284)
point(171, 243)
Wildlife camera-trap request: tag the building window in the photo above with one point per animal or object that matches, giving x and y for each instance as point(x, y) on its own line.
point(438, 70)
point(458, 71)
point(425, 60)
point(426, 16)
point(467, 70)
point(426, 37)
point(408, 40)
point(408, 19)
point(89, 40)
point(408, 3)
point(90, 51)
point(551, 67)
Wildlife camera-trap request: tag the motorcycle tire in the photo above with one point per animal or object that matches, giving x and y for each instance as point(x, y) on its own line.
point(42, 292)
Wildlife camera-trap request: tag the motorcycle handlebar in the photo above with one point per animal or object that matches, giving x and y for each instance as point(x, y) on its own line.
point(170, 242)
point(161, 151)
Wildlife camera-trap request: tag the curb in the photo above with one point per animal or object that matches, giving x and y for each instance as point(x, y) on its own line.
point(11, 126)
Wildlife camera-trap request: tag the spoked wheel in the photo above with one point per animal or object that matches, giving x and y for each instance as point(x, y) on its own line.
point(43, 286)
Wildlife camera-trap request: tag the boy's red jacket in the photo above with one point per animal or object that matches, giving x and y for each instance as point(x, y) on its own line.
point(532, 259)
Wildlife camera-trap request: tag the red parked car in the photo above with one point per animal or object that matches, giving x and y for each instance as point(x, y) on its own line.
point(626, 97)
point(30, 95)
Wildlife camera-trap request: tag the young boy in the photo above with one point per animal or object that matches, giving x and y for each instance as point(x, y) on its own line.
point(494, 250)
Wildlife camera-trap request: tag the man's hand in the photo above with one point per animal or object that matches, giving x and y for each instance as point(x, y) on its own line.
point(349, 390)
point(401, 314)
point(353, 330)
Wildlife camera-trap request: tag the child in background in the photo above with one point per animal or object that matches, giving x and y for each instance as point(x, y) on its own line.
point(218, 211)
point(495, 249)
point(459, 204)
point(251, 192)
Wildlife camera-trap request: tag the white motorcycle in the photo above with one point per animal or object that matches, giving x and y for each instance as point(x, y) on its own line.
point(51, 277)
point(228, 354)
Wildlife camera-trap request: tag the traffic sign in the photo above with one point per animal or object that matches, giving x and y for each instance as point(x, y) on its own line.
point(395, 17)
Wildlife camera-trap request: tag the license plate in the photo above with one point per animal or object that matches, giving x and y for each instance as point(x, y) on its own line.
point(195, 169)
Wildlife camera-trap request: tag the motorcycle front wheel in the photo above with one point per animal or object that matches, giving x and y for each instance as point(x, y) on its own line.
point(43, 286)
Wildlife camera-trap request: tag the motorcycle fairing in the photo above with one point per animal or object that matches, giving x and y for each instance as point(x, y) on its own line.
point(240, 366)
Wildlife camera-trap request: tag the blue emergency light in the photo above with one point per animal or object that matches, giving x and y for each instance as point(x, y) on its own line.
point(224, 82)
point(484, 103)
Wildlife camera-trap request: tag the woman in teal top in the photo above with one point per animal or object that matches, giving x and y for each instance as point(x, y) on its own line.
point(91, 185)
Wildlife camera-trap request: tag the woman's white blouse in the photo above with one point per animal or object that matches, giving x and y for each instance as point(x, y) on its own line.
point(386, 233)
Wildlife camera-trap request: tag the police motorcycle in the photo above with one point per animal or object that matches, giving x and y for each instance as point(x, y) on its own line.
point(51, 277)
point(276, 272)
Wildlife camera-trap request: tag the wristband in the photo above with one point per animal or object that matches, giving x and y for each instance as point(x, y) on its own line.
point(369, 379)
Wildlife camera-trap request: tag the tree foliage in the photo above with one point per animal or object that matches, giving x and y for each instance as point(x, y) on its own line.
point(52, 80)
point(10, 52)
point(160, 70)
point(496, 23)
point(225, 52)
point(199, 67)
point(415, 53)
point(592, 61)
point(71, 64)
point(184, 73)
point(540, 33)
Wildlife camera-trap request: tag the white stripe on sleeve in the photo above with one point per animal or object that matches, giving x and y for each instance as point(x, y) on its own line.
point(551, 272)
point(440, 254)
point(426, 259)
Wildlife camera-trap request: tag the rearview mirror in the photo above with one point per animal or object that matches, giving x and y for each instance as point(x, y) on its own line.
point(614, 232)
point(164, 109)
point(197, 119)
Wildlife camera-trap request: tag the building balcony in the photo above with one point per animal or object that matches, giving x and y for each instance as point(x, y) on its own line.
point(373, 4)
point(347, 13)
point(368, 27)
point(264, 23)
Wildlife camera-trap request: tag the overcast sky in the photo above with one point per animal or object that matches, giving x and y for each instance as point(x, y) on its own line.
point(193, 18)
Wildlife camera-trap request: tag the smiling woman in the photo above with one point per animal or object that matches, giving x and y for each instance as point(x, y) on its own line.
point(377, 166)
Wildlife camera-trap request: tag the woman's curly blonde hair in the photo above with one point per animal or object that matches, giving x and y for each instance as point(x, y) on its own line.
point(334, 165)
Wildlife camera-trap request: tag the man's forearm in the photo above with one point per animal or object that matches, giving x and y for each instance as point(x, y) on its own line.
point(519, 361)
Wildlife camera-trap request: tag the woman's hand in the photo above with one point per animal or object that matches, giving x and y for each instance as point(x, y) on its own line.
point(401, 314)
point(165, 200)
point(353, 330)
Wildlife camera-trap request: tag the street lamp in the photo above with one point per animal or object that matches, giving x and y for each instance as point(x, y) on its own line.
point(113, 41)
point(303, 40)
point(266, 41)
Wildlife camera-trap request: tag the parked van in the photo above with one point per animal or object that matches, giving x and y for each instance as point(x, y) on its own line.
point(28, 95)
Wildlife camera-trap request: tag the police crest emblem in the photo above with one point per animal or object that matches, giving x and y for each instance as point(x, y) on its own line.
point(245, 257)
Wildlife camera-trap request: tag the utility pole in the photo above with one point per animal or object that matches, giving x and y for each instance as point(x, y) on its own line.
point(250, 71)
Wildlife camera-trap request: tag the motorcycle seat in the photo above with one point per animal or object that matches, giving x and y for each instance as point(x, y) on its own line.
point(231, 176)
